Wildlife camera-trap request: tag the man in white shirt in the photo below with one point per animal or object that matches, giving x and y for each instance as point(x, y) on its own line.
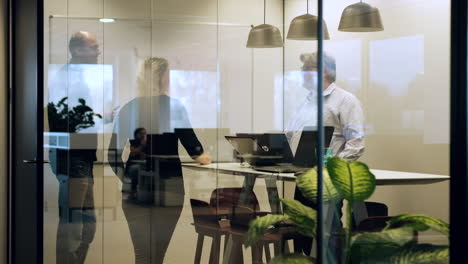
point(342, 110)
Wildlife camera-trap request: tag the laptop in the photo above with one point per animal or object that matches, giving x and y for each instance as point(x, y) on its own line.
point(264, 154)
point(262, 149)
point(272, 148)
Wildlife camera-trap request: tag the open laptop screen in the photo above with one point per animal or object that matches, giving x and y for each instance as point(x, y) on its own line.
point(306, 154)
point(268, 149)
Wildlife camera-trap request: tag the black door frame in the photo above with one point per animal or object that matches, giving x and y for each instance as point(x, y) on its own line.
point(458, 133)
point(25, 180)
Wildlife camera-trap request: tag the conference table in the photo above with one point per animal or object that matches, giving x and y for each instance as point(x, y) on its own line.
point(383, 177)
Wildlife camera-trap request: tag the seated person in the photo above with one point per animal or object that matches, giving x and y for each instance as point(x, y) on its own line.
point(137, 156)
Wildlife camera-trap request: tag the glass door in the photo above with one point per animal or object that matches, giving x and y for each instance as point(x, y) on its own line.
point(168, 132)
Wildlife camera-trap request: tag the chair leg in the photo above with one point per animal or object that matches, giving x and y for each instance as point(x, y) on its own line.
point(215, 248)
point(70, 215)
point(210, 260)
point(226, 239)
point(237, 255)
point(277, 248)
point(267, 252)
point(257, 253)
point(285, 246)
point(199, 249)
point(228, 249)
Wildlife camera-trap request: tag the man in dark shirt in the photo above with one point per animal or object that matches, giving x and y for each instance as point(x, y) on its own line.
point(152, 214)
point(73, 166)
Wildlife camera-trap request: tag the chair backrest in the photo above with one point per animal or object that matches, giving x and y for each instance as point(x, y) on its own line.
point(241, 216)
point(202, 212)
point(224, 200)
point(376, 209)
point(373, 209)
point(373, 224)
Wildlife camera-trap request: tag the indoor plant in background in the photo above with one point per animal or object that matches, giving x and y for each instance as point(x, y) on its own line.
point(64, 123)
point(63, 119)
point(353, 182)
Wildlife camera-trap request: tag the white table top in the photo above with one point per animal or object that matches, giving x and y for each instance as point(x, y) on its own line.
point(384, 177)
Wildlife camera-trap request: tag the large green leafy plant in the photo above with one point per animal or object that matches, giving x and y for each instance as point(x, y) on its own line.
point(354, 182)
point(63, 119)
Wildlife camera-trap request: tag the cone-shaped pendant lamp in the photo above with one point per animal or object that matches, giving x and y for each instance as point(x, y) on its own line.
point(304, 27)
point(264, 35)
point(360, 17)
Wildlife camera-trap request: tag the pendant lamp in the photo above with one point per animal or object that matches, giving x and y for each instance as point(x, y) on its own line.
point(304, 27)
point(360, 17)
point(264, 35)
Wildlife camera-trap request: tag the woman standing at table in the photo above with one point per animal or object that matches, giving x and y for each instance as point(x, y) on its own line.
point(152, 213)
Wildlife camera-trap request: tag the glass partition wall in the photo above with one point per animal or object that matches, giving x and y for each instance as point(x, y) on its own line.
point(167, 136)
point(388, 63)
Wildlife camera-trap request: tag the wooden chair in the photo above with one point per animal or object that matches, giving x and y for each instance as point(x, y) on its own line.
point(206, 225)
point(242, 210)
point(377, 220)
point(277, 237)
point(225, 202)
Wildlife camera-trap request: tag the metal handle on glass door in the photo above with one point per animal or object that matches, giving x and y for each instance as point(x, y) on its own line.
point(35, 161)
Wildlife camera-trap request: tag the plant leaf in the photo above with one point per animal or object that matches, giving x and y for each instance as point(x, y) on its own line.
point(61, 119)
point(62, 101)
point(366, 247)
point(353, 180)
point(418, 223)
point(421, 254)
point(260, 225)
point(308, 185)
point(303, 217)
point(293, 259)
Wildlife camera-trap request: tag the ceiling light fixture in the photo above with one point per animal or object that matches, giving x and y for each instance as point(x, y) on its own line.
point(264, 35)
point(304, 27)
point(360, 17)
point(106, 20)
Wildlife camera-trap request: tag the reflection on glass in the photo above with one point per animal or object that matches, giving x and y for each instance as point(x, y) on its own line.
point(197, 90)
point(73, 144)
point(152, 176)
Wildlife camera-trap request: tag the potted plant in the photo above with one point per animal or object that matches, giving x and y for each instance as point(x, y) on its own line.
point(63, 119)
point(64, 123)
point(353, 182)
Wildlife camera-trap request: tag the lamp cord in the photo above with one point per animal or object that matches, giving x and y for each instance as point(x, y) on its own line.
point(264, 11)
